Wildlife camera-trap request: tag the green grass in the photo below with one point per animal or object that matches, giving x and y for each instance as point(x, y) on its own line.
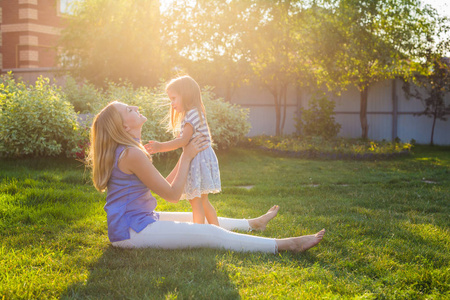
point(388, 232)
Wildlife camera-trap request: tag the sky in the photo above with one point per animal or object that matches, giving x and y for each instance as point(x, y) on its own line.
point(442, 6)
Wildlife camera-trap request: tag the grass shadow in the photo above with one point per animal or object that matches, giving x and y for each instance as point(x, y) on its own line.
point(155, 274)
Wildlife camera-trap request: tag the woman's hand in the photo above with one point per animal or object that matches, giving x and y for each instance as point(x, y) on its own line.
point(153, 147)
point(199, 143)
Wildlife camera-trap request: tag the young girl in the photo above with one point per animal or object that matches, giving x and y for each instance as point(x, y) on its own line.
point(187, 114)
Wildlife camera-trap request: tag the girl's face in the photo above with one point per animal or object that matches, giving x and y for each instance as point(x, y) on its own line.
point(131, 117)
point(175, 101)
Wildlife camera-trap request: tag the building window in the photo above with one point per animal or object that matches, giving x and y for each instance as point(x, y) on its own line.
point(65, 6)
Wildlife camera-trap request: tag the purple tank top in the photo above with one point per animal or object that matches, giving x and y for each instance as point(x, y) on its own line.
point(129, 203)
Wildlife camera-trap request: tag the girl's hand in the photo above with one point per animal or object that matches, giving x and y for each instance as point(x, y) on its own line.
point(199, 143)
point(153, 147)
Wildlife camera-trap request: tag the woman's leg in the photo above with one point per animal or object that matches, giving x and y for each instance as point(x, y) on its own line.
point(197, 210)
point(227, 223)
point(210, 211)
point(176, 235)
point(301, 243)
point(260, 222)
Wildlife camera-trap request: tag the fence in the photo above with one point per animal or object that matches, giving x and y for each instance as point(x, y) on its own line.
point(390, 114)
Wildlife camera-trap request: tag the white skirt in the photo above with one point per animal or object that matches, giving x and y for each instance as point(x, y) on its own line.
point(204, 175)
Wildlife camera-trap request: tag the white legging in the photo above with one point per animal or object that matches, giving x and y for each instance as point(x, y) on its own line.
point(175, 230)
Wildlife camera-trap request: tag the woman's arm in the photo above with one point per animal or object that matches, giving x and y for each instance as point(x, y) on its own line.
point(134, 161)
point(154, 147)
point(174, 172)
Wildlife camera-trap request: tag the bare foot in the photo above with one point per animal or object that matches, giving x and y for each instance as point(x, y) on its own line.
point(261, 222)
point(301, 243)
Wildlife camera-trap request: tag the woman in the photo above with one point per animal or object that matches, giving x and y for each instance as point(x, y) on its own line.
point(122, 166)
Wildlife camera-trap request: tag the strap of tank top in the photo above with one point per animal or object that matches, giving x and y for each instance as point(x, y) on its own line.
point(119, 151)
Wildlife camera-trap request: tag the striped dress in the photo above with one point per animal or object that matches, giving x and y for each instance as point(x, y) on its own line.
point(204, 174)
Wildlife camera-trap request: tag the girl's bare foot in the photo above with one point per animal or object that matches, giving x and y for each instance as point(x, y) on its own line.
point(301, 243)
point(261, 222)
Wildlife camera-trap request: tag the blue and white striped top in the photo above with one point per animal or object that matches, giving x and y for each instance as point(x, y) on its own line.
point(200, 126)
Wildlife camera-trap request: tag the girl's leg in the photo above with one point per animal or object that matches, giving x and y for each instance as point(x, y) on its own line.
point(175, 235)
point(197, 210)
point(210, 212)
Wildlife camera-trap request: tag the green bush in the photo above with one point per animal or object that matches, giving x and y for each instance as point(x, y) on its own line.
point(35, 120)
point(337, 148)
point(228, 123)
point(39, 121)
point(318, 119)
point(151, 103)
point(82, 96)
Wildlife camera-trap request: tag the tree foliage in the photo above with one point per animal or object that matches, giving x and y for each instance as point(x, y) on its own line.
point(204, 39)
point(114, 39)
point(431, 89)
point(246, 41)
point(277, 44)
point(275, 50)
point(373, 40)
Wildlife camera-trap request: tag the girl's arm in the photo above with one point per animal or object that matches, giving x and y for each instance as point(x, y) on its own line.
point(154, 147)
point(134, 161)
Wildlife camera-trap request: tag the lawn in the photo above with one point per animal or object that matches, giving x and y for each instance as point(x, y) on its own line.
point(388, 232)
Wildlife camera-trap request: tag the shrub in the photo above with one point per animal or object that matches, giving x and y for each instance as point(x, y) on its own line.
point(337, 148)
point(82, 96)
point(35, 120)
point(228, 122)
point(318, 119)
point(152, 104)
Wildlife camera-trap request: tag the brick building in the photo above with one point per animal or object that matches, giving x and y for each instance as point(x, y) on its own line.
point(29, 30)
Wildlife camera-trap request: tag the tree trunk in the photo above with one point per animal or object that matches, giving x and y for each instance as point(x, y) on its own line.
point(432, 128)
point(228, 92)
point(363, 112)
point(277, 112)
point(284, 95)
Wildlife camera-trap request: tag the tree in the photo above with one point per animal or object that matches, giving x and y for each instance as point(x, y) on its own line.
point(274, 50)
point(114, 40)
point(244, 40)
point(203, 39)
point(374, 40)
point(436, 84)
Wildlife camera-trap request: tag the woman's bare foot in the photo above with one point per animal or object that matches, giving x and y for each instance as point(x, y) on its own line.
point(301, 243)
point(261, 222)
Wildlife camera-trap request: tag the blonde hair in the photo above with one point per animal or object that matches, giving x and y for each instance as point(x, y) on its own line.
point(191, 97)
point(107, 132)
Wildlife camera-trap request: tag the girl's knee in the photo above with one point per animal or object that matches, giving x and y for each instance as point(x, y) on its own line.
point(195, 201)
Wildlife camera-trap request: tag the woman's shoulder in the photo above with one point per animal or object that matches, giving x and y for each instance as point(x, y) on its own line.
point(132, 153)
point(132, 159)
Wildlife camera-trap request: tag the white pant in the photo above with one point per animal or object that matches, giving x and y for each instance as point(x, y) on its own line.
point(175, 230)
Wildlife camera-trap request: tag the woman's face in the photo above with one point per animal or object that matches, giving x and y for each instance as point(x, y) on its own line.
point(175, 101)
point(131, 117)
